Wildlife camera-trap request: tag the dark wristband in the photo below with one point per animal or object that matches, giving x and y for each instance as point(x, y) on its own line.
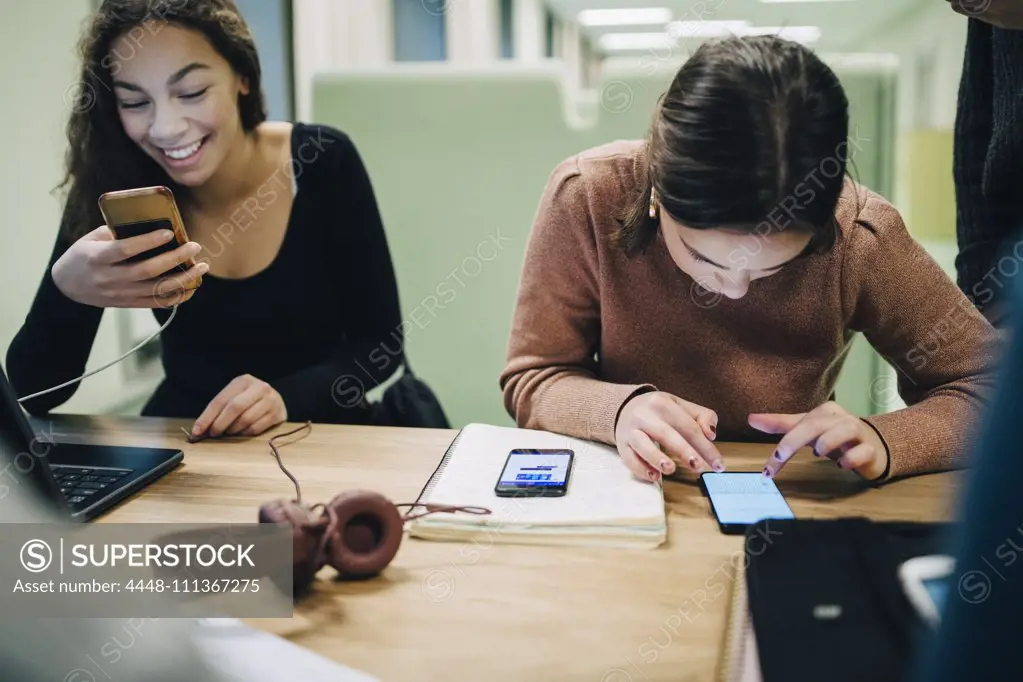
point(638, 392)
point(887, 454)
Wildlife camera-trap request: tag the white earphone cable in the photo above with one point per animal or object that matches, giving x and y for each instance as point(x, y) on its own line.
point(174, 311)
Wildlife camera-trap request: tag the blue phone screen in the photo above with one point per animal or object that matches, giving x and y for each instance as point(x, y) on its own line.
point(536, 468)
point(745, 498)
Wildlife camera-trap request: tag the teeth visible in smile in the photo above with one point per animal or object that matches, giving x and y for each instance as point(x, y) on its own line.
point(180, 153)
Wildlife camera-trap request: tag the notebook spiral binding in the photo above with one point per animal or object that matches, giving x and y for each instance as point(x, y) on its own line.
point(733, 654)
point(435, 476)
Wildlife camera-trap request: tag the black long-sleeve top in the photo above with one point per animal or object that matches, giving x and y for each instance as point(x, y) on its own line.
point(988, 162)
point(320, 323)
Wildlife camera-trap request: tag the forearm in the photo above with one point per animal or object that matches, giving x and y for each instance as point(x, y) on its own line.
point(567, 400)
point(936, 434)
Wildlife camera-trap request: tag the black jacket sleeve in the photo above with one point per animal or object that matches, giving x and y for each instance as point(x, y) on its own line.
point(53, 344)
point(365, 280)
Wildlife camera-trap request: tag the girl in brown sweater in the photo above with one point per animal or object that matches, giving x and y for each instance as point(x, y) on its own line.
point(707, 283)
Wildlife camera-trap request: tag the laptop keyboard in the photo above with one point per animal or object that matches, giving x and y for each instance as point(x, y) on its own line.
point(78, 484)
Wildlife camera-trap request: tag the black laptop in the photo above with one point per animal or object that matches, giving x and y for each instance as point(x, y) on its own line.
point(81, 480)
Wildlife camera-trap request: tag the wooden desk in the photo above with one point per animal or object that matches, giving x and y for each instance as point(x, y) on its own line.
point(445, 611)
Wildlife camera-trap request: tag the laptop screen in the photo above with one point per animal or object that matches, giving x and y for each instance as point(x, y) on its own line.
point(23, 453)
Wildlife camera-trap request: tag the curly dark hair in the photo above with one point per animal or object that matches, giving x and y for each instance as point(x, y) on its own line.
point(100, 156)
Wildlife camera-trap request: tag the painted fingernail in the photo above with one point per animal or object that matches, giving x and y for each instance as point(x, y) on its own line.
point(718, 466)
point(777, 455)
point(652, 475)
point(713, 432)
point(665, 466)
point(692, 463)
point(767, 472)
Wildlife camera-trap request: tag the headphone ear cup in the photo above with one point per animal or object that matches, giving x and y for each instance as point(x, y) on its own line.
point(305, 538)
point(369, 532)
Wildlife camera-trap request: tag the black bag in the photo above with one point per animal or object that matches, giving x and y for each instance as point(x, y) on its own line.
point(826, 599)
point(409, 402)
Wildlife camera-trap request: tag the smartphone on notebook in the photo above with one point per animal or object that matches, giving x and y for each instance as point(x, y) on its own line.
point(740, 499)
point(535, 473)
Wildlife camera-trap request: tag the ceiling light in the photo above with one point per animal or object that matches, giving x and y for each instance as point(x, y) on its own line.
point(625, 17)
point(703, 29)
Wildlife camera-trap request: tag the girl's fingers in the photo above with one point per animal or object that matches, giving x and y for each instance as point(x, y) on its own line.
point(674, 448)
point(806, 432)
point(637, 465)
point(235, 406)
point(844, 433)
point(120, 250)
point(648, 453)
point(267, 421)
point(162, 263)
point(178, 282)
point(681, 450)
point(254, 413)
point(857, 456)
point(708, 421)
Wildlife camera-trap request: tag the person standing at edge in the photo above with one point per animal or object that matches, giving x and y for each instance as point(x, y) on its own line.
point(706, 285)
point(297, 289)
point(988, 157)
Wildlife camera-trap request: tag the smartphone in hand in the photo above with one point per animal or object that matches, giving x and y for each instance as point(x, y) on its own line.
point(132, 212)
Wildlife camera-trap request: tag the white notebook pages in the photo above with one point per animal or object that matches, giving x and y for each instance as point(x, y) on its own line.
point(605, 505)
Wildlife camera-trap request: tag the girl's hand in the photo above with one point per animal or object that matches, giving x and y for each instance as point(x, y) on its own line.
point(245, 407)
point(94, 271)
point(832, 432)
point(657, 431)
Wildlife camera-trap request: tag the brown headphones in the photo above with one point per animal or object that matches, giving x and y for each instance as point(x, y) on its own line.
point(358, 532)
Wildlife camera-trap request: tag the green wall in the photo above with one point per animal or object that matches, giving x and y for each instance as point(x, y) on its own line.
point(459, 160)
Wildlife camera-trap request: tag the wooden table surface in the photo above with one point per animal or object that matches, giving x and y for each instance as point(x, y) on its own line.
point(446, 611)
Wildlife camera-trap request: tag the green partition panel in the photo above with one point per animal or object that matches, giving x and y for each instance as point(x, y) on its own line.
point(459, 159)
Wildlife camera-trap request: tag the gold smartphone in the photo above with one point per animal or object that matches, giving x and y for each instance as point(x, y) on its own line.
point(133, 212)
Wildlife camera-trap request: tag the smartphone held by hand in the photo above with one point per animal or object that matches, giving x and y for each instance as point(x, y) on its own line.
point(134, 212)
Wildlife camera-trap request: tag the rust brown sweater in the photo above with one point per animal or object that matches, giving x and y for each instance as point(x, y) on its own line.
point(593, 326)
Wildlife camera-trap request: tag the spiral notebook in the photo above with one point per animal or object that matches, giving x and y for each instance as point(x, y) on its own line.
point(739, 659)
point(605, 505)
